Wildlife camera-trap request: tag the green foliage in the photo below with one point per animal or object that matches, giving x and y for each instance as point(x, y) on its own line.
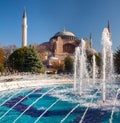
point(68, 64)
point(26, 59)
point(97, 58)
point(1, 68)
point(117, 60)
point(2, 60)
point(90, 63)
point(98, 61)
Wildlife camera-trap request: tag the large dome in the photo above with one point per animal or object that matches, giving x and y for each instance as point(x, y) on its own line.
point(64, 33)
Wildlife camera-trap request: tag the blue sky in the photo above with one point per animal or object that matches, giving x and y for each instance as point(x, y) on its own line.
point(46, 17)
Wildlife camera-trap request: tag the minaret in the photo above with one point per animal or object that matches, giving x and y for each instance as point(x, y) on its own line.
point(24, 29)
point(109, 26)
point(64, 30)
point(90, 40)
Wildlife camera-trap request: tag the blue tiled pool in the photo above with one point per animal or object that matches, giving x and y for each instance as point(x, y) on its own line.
point(51, 105)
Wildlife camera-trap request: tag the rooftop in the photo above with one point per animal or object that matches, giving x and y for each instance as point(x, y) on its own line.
point(64, 33)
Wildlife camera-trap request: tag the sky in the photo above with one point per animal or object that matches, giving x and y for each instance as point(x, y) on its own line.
point(47, 17)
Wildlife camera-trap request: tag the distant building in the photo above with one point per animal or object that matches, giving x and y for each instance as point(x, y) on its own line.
point(62, 44)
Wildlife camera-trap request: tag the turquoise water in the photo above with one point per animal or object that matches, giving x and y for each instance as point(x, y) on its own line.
point(14, 102)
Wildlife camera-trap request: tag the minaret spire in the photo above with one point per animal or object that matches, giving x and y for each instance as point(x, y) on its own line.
point(64, 29)
point(108, 26)
point(24, 29)
point(90, 40)
point(24, 13)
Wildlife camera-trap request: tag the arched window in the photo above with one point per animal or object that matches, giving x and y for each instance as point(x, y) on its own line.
point(69, 48)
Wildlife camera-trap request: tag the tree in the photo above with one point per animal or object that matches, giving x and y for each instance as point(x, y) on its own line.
point(26, 59)
point(117, 60)
point(58, 66)
point(7, 51)
point(98, 62)
point(68, 64)
point(97, 59)
point(2, 60)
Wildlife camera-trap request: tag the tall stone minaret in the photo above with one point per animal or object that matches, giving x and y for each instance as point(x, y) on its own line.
point(109, 26)
point(90, 40)
point(24, 29)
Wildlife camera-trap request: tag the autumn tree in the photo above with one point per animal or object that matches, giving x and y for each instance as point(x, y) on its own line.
point(58, 66)
point(2, 60)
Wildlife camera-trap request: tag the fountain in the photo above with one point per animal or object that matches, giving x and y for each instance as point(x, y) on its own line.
point(107, 59)
point(94, 69)
point(81, 74)
point(80, 69)
point(88, 100)
point(106, 84)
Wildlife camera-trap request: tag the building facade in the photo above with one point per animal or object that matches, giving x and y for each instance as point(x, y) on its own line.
point(61, 45)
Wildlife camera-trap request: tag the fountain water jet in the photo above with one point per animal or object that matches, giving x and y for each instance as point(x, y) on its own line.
point(113, 109)
point(80, 68)
point(81, 75)
point(107, 60)
point(94, 69)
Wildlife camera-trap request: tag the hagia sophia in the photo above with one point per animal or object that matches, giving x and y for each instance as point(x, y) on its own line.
point(59, 46)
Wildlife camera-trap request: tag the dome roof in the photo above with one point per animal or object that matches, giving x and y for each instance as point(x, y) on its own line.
point(92, 51)
point(64, 33)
